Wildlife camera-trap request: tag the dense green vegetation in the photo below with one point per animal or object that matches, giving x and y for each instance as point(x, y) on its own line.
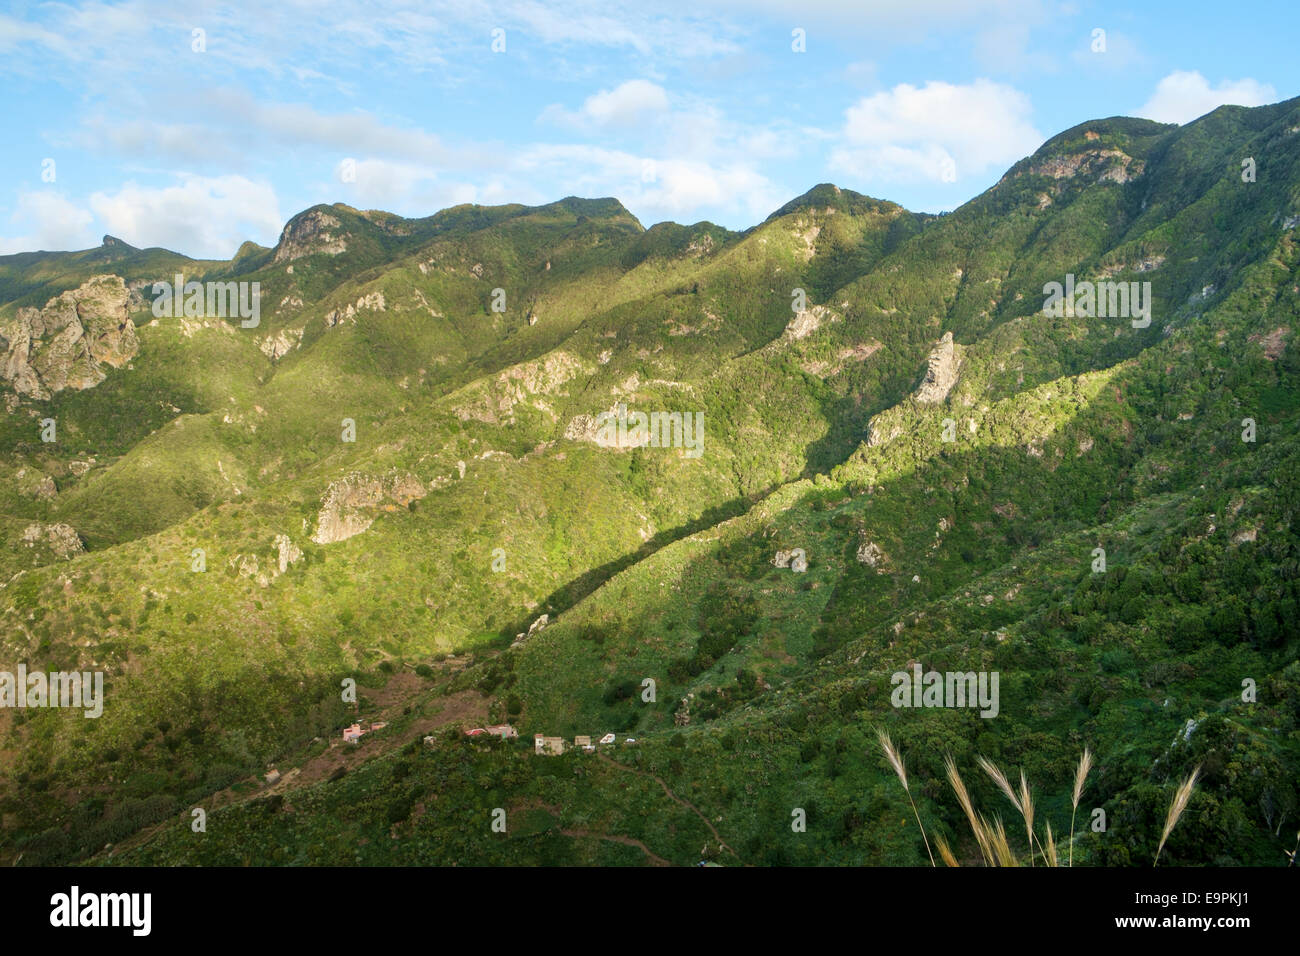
point(959, 534)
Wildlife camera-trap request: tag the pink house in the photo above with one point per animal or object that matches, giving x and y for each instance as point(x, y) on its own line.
point(352, 734)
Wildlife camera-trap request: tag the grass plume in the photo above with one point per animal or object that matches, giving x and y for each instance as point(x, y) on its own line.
point(977, 825)
point(1080, 776)
point(1049, 853)
point(1176, 808)
point(945, 851)
point(896, 761)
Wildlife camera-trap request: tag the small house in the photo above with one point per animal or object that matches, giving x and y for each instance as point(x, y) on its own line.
point(352, 734)
point(550, 746)
point(607, 739)
point(504, 731)
point(582, 741)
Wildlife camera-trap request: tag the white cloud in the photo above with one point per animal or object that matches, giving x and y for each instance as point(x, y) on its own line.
point(915, 134)
point(626, 103)
point(199, 216)
point(49, 221)
point(623, 106)
point(1184, 95)
point(629, 23)
point(656, 188)
point(231, 120)
point(405, 188)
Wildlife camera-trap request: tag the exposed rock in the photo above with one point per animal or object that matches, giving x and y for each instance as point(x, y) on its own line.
point(373, 301)
point(189, 326)
point(808, 233)
point(281, 343)
point(288, 551)
point(536, 626)
point(493, 401)
point(806, 322)
point(941, 373)
point(246, 564)
point(700, 246)
point(34, 484)
point(60, 538)
point(350, 504)
point(1145, 264)
point(46, 489)
point(1110, 165)
point(309, 234)
point(64, 344)
point(793, 559)
point(872, 555)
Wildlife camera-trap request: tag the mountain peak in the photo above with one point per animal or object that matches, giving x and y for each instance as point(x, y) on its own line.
point(830, 196)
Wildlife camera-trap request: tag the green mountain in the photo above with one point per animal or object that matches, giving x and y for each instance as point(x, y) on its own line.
point(403, 471)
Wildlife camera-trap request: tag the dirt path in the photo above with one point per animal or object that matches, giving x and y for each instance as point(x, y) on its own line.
point(625, 841)
point(681, 802)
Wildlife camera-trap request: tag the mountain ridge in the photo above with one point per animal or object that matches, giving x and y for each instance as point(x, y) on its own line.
point(822, 434)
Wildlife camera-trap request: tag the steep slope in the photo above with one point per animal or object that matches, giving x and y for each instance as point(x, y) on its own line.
point(947, 456)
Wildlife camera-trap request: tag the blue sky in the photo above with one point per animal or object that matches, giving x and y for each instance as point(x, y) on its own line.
point(120, 119)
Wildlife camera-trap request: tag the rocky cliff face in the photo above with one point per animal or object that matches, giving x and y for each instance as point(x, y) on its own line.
point(1108, 165)
point(308, 234)
point(941, 372)
point(351, 504)
point(67, 343)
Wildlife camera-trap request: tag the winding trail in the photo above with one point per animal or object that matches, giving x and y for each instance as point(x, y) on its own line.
point(680, 801)
point(655, 859)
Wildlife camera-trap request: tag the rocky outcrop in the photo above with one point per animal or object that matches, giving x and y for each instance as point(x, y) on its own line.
point(67, 343)
point(807, 233)
point(248, 565)
point(373, 301)
point(1108, 165)
point(872, 555)
point(493, 401)
point(534, 628)
point(287, 552)
point(281, 343)
point(351, 504)
point(35, 484)
point(1144, 264)
point(310, 234)
point(61, 539)
point(807, 322)
point(794, 559)
point(941, 373)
